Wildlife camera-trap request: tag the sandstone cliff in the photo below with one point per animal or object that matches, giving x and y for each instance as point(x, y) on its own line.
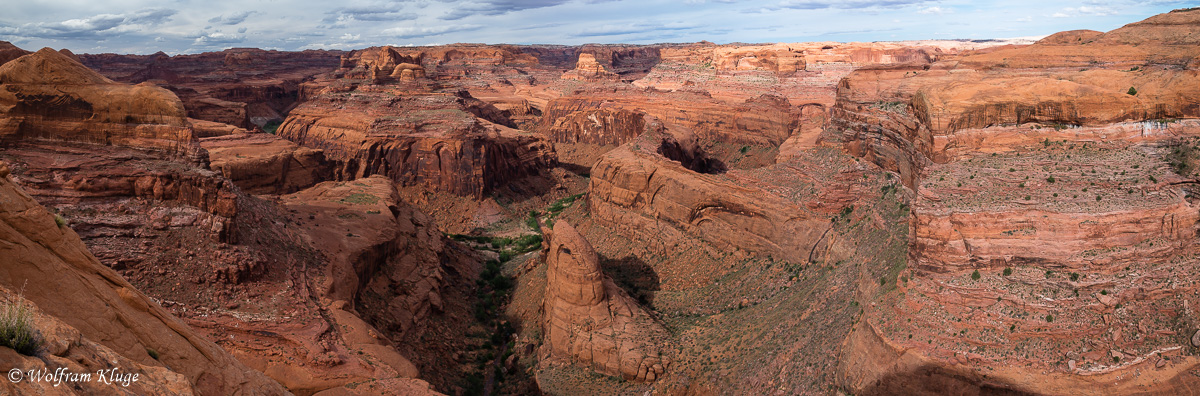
point(244, 87)
point(588, 319)
point(50, 96)
point(64, 280)
point(438, 141)
point(587, 68)
point(261, 163)
point(1050, 193)
point(661, 184)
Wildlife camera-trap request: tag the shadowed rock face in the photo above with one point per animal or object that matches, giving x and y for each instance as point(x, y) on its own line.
point(196, 242)
point(105, 313)
point(50, 96)
point(244, 87)
point(412, 130)
point(591, 321)
point(1073, 86)
point(587, 68)
point(1050, 190)
point(658, 183)
point(261, 163)
point(8, 52)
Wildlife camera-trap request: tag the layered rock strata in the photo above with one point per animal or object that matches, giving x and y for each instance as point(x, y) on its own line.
point(261, 163)
point(1052, 226)
point(658, 184)
point(53, 269)
point(588, 319)
point(438, 141)
point(50, 96)
point(244, 87)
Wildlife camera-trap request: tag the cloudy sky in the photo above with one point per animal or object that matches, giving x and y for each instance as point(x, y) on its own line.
point(190, 26)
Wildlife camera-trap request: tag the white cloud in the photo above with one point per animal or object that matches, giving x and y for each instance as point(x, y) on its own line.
point(415, 32)
point(218, 38)
point(1071, 12)
point(935, 11)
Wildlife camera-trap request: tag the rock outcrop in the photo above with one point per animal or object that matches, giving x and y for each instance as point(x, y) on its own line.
point(662, 185)
point(50, 96)
point(261, 163)
point(8, 52)
point(629, 61)
point(387, 259)
point(73, 352)
point(587, 68)
point(1063, 87)
point(85, 305)
point(1051, 192)
point(244, 87)
point(234, 267)
point(442, 141)
point(588, 319)
point(383, 279)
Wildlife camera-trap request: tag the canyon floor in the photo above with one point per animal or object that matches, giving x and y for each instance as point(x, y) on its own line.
point(933, 217)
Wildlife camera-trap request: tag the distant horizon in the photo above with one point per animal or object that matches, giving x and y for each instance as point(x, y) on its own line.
point(1012, 39)
point(145, 27)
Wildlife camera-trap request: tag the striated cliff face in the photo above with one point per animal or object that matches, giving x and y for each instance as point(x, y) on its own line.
point(587, 68)
point(588, 319)
point(239, 270)
point(244, 87)
point(8, 52)
point(72, 290)
point(1076, 86)
point(658, 185)
point(1052, 225)
point(50, 96)
point(261, 163)
point(765, 120)
point(437, 141)
point(590, 122)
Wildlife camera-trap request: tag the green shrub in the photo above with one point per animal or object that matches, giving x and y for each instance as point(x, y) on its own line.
point(60, 221)
point(1132, 91)
point(271, 127)
point(532, 220)
point(975, 275)
point(16, 328)
point(153, 353)
point(1181, 158)
point(1007, 271)
point(1049, 318)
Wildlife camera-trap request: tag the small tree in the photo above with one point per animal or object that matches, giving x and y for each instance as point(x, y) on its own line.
point(1132, 91)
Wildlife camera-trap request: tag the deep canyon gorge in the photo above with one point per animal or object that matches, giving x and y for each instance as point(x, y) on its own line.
point(932, 217)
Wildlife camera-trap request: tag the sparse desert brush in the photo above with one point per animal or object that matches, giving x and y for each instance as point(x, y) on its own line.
point(16, 327)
